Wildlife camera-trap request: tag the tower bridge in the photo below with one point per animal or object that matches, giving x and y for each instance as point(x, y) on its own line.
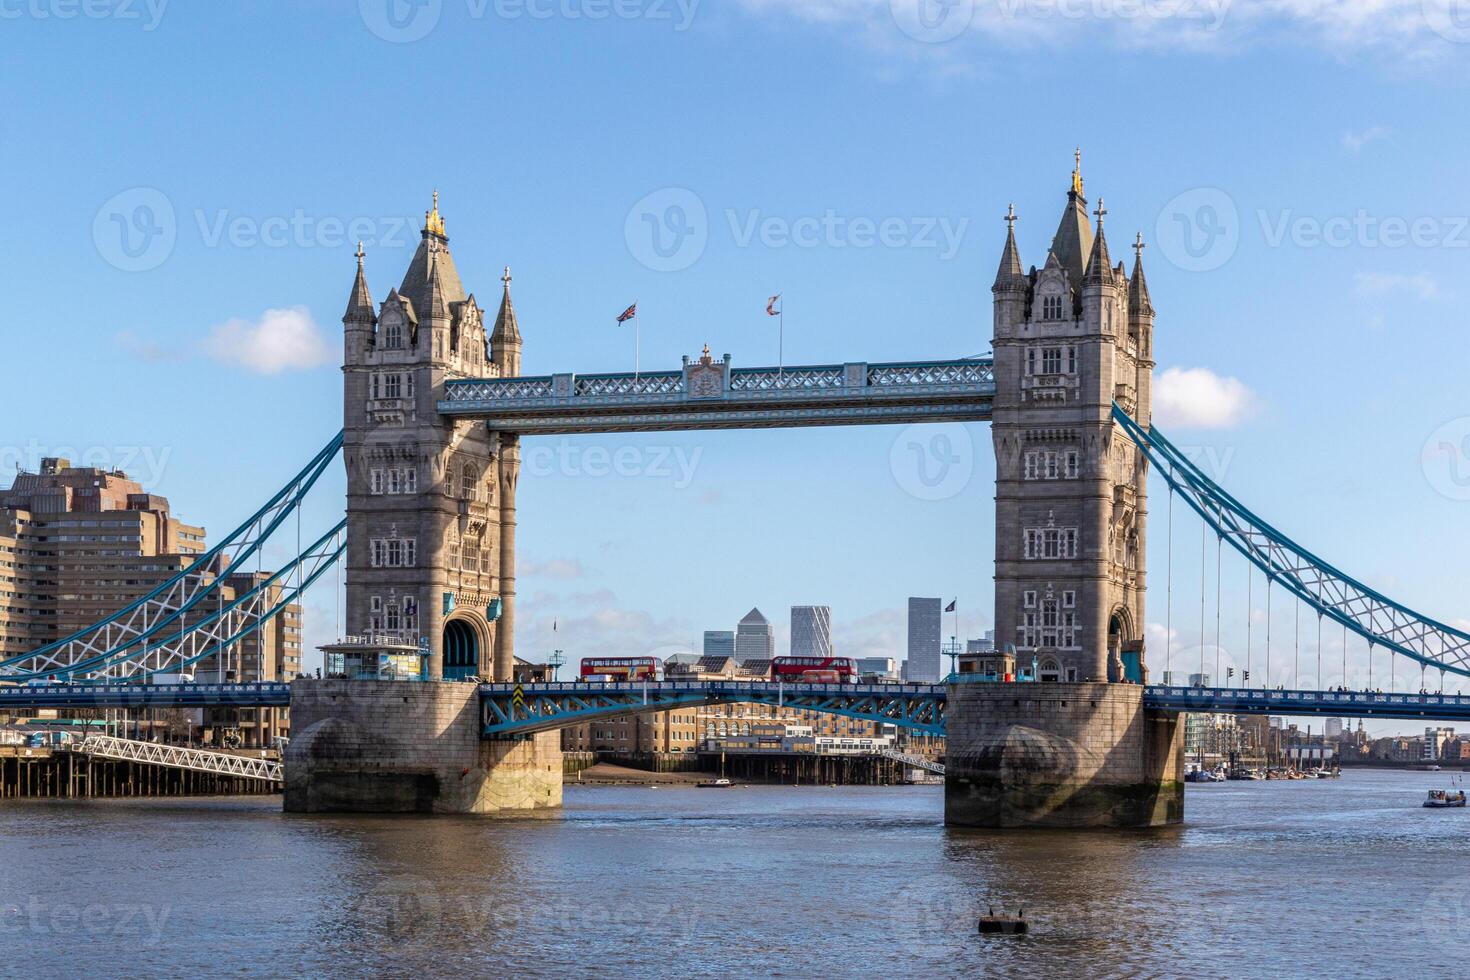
point(434, 410)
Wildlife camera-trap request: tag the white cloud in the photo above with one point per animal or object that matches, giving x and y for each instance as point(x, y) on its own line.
point(552, 568)
point(281, 340)
point(1412, 29)
point(1379, 284)
point(1198, 398)
point(1356, 141)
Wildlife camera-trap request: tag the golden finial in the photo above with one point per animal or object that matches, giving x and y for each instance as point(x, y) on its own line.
point(433, 222)
point(1077, 173)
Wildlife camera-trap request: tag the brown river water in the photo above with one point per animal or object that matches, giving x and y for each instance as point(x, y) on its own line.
point(1342, 878)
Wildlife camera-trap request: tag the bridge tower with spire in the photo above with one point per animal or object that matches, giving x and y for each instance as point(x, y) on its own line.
point(431, 556)
point(1070, 340)
point(431, 509)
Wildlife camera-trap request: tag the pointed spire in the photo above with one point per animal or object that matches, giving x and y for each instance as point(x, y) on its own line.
point(1139, 303)
point(436, 302)
point(1099, 264)
point(507, 330)
point(1073, 241)
point(1009, 273)
point(360, 303)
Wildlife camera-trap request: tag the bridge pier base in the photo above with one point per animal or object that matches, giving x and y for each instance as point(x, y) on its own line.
point(1061, 756)
point(399, 747)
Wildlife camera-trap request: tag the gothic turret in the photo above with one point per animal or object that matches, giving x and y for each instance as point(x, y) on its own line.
point(1099, 264)
point(360, 303)
point(505, 342)
point(1139, 304)
point(1009, 275)
point(359, 322)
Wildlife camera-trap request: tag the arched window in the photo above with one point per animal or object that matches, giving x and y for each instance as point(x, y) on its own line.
point(469, 483)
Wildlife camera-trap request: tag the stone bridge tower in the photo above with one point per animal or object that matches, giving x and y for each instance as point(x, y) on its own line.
point(1077, 748)
point(1071, 492)
point(431, 501)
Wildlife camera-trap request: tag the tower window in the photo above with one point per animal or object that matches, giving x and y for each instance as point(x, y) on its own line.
point(1051, 308)
point(393, 336)
point(1051, 360)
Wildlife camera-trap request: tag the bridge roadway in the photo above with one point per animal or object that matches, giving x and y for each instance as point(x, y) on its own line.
point(511, 709)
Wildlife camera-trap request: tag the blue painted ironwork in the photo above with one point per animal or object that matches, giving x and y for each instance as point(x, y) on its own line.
point(512, 710)
point(132, 627)
point(714, 395)
point(215, 632)
point(1332, 593)
point(33, 696)
point(1336, 704)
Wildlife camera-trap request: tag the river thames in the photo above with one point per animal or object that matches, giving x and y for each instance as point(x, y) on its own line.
point(1270, 879)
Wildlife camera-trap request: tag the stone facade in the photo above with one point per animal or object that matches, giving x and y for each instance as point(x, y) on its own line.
point(432, 501)
point(394, 747)
point(1062, 756)
point(1071, 493)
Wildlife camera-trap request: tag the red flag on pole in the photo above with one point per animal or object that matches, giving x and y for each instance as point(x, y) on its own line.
point(628, 314)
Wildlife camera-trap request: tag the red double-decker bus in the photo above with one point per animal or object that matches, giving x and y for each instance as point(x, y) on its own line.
point(621, 668)
point(814, 670)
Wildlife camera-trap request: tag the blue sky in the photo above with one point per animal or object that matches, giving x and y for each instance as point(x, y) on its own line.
point(1298, 168)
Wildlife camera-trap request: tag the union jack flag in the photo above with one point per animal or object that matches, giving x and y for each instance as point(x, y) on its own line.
point(629, 313)
point(771, 306)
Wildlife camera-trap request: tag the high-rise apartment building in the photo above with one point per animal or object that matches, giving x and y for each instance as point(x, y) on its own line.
point(924, 666)
point(811, 631)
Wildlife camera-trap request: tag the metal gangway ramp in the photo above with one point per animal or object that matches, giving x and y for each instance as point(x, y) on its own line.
point(173, 757)
point(913, 761)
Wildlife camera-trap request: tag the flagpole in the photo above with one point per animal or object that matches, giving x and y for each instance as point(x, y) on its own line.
point(637, 342)
point(781, 343)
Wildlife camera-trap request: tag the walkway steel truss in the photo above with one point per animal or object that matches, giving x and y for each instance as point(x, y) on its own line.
point(511, 710)
point(1332, 593)
point(173, 757)
point(134, 629)
point(717, 396)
